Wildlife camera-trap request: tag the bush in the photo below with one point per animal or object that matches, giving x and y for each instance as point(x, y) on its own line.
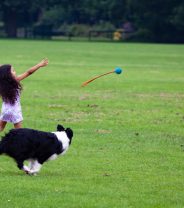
point(82, 30)
point(104, 26)
point(79, 30)
point(142, 35)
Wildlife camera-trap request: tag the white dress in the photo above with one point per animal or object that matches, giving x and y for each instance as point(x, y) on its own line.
point(11, 113)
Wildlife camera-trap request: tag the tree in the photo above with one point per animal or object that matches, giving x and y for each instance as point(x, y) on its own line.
point(15, 13)
point(159, 18)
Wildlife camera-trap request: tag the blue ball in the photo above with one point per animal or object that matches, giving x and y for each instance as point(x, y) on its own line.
point(118, 70)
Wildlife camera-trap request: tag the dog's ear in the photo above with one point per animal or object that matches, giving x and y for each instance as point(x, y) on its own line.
point(60, 128)
point(69, 133)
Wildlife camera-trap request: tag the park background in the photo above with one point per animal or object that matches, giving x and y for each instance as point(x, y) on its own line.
point(127, 149)
point(150, 21)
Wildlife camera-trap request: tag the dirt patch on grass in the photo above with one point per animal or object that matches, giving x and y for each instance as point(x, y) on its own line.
point(103, 131)
point(160, 95)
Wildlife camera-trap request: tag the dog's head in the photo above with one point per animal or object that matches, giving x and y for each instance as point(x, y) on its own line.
point(68, 131)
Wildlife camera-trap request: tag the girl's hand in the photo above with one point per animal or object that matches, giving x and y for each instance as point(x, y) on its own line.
point(44, 62)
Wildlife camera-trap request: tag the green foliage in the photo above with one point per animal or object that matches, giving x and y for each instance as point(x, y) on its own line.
point(163, 20)
point(102, 25)
point(79, 29)
point(19, 13)
point(82, 30)
point(178, 16)
point(52, 17)
point(143, 35)
point(128, 128)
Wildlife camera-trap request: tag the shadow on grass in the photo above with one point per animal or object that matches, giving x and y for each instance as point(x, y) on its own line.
point(10, 173)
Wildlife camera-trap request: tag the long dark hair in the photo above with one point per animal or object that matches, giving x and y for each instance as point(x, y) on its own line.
point(9, 86)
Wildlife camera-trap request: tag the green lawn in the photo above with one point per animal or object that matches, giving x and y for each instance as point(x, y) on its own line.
point(128, 128)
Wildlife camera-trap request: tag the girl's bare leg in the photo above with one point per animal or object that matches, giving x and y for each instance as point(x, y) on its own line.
point(18, 125)
point(2, 125)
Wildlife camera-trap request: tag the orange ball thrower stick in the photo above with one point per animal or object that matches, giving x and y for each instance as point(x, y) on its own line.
point(117, 71)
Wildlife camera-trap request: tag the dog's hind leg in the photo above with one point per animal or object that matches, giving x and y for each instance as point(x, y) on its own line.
point(35, 167)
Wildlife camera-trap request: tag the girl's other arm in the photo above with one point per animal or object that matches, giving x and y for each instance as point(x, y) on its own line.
point(43, 63)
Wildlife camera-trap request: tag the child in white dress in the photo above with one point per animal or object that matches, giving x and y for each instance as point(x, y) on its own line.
point(10, 89)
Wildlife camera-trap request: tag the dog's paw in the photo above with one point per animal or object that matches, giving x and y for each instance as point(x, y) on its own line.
point(30, 173)
point(26, 169)
point(33, 173)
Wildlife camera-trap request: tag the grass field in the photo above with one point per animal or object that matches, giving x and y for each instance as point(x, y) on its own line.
point(128, 128)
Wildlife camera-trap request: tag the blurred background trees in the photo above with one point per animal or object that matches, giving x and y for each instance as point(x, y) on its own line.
point(156, 21)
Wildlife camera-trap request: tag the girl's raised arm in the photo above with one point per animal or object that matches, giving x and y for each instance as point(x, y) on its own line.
point(43, 63)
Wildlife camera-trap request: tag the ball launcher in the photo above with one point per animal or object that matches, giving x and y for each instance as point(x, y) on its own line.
point(116, 70)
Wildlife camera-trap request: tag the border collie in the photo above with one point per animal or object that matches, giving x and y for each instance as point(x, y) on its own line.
point(35, 146)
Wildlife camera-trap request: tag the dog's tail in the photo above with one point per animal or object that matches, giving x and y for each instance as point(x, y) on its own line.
point(1, 148)
point(6, 141)
point(2, 145)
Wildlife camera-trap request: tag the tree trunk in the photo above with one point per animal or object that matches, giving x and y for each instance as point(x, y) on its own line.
point(10, 21)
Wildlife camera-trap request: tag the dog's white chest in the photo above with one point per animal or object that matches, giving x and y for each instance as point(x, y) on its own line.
point(62, 137)
point(53, 157)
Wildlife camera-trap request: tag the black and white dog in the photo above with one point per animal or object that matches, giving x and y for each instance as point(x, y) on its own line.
point(35, 146)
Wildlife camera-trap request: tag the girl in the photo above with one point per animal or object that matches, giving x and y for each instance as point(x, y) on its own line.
point(10, 89)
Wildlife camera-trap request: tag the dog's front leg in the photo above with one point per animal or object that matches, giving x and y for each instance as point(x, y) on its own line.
point(26, 169)
point(21, 166)
point(31, 163)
